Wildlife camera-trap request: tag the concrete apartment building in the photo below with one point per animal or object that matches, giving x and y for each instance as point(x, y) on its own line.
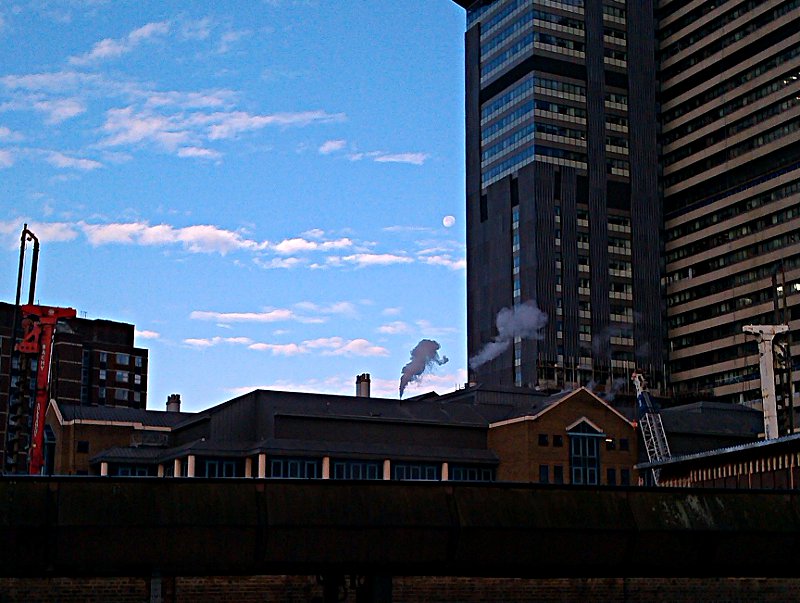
point(562, 203)
point(730, 119)
point(634, 168)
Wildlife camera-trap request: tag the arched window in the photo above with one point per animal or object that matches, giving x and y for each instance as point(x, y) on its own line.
point(584, 453)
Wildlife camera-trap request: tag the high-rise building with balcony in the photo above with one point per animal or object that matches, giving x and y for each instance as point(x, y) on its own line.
point(562, 200)
point(730, 142)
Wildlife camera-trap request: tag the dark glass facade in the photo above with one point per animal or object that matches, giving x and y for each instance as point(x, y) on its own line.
point(562, 204)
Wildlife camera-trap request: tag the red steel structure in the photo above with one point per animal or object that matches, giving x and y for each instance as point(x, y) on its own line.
point(38, 326)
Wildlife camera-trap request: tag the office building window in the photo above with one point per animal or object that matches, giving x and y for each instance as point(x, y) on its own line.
point(623, 444)
point(542, 439)
point(137, 361)
point(611, 477)
point(123, 359)
point(625, 477)
point(558, 474)
point(558, 440)
point(544, 474)
point(122, 376)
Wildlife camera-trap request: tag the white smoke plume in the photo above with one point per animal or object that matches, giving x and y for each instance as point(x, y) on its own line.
point(525, 320)
point(424, 355)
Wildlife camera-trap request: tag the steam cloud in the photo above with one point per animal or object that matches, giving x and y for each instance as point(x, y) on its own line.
point(424, 355)
point(525, 320)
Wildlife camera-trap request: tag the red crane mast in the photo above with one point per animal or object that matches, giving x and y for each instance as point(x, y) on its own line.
point(38, 326)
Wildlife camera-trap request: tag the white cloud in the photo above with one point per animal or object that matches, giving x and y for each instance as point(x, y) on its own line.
point(393, 328)
point(60, 110)
point(376, 259)
point(9, 135)
point(58, 81)
point(299, 245)
point(110, 48)
point(144, 334)
point(124, 127)
point(214, 341)
point(327, 346)
point(228, 125)
point(201, 238)
point(6, 158)
point(391, 311)
point(230, 37)
point(413, 158)
point(196, 30)
point(340, 308)
point(431, 331)
point(446, 261)
point(314, 233)
point(60, 160)
point(280, 349)
point(331, 146)
point(198, 152)
point(275, 315)
point(275, 263)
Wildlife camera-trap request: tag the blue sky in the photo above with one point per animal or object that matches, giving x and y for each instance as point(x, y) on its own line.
point(272, 191)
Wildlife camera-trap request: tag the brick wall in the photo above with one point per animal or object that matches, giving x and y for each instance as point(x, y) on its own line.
point(304, 589)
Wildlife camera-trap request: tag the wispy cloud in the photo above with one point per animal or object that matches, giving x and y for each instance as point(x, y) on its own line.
point(214, 341)
point(9, 135)
point(60, 110)
point(62, 161)
point(344, 308)
point(6, 158)
point(270, 315)
point(201, 238)
point(446, 261)
point(413, 158)
point(384, 157)
point(376, 259)
point(330, 146)
point(394, 328)
point(228, 125)
point(144, 334)
point(109, 48)
point(326, 346)
point(299, 245)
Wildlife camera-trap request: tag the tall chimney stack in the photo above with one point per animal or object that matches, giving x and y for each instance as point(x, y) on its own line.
point(362, 385)
point(174, 403)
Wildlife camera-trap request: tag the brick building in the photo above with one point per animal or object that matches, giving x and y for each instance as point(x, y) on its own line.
point(473, 434)
point(94, 362)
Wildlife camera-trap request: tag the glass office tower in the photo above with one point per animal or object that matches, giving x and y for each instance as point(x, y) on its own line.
point(562, 201)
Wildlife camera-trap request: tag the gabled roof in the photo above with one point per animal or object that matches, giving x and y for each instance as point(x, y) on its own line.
point(560, 398)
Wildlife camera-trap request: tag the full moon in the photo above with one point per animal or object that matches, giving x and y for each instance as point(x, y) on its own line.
point(448, 221)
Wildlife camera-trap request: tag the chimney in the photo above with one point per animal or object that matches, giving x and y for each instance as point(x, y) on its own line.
point(362, 386)
point(174, 403)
